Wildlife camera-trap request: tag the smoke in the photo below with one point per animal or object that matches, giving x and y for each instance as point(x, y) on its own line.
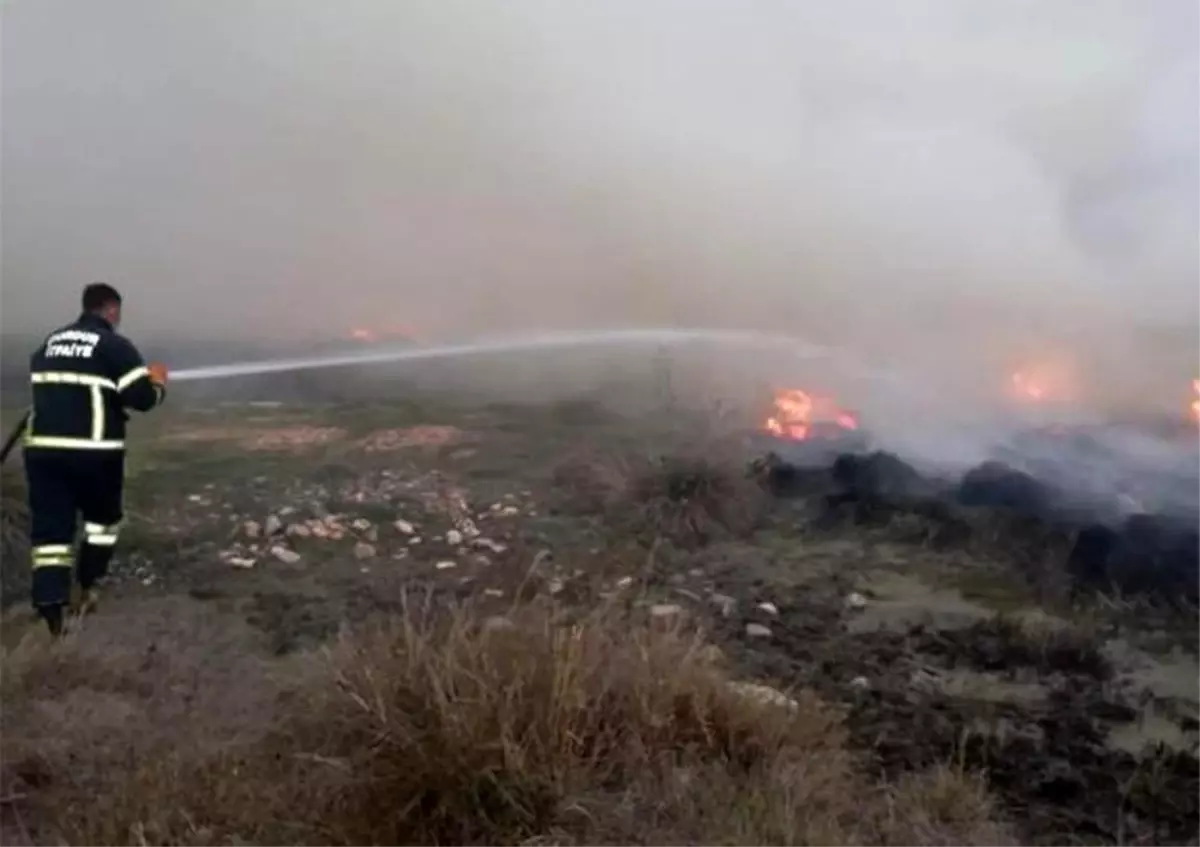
point(945, 186)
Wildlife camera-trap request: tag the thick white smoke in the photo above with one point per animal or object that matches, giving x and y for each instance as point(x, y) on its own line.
point(949, 186)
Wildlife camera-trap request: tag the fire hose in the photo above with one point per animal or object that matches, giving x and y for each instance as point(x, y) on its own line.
point(547, 341)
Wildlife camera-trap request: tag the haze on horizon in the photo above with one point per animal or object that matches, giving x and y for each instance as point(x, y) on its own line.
point(936, 182)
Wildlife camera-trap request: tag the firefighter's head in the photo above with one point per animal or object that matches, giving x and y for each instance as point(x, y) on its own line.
point(102, 299)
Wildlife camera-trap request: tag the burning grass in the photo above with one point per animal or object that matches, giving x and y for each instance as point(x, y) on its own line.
point(446, 728)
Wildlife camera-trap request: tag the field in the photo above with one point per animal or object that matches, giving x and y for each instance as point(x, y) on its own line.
point(398, 613)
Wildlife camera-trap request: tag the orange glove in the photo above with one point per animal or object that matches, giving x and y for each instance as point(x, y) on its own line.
point(158, 373)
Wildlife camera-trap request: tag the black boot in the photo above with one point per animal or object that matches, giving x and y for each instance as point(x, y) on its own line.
point(53, 616)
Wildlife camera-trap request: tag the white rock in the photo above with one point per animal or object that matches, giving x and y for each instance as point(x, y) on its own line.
point(361, 524)
point(555, 586)
point(454, 537)
point(493, 592)
point(298, 530)
point(273, 525)
point(509, 511)
point(252, 529)
point(489, 544)
point(764, 694)
point(854, 600)
point(757, 630)
point(665, 610)
point(404, 527)
point(416, 539)
point(372, 534)
point(285, 555)
point(625, 582)
point(363, 550)
point(446, 565)
point(769, 608)
point(860, 683)
point(241, 561)
point(497, 623)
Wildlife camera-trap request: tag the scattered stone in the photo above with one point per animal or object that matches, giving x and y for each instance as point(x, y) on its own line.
point(273, 525)
point(414, 541)
point(725, 603)
point(696, 573)
point(404, 527)
point(757, 630)
point(196, 498)
point(372, 534)
point(489, 544)
point(860, 683)
point(497, 623)
point(363, 550)
point(555, 586)
point(625, 582)
point(319, 529)
point(285, 555)
point(764, 694)
point(665, 610)
point(454, 537)
point(769, 608)
point(251, 529)
point(691, 595)
point(241, 561)
point(361, 524)
point(493, 592)
point(298, 530)
point(854, 600)
point(446, 565)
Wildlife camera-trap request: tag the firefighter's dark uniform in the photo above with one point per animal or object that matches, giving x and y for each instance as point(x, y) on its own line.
point(84, 377)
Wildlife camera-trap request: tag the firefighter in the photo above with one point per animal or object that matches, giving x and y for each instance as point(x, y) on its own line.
point(84, 377)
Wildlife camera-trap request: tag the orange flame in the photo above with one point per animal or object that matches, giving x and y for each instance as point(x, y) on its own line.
point(799, 415)
point(1196, 402)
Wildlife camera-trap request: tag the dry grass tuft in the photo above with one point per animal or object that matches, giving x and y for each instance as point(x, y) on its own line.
point(442, 728)
point(689, 498)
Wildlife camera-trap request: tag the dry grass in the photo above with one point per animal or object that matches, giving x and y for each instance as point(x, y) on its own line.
point(688, 498)
point(437, 729)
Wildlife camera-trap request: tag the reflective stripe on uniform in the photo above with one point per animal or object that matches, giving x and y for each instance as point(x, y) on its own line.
point(72, 443)
point(132, 377)
point(97, 413)
point(72, 378)
point(100, 535)
point(52, 556)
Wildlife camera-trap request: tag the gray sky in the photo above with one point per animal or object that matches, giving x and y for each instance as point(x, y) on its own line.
point(906, 178)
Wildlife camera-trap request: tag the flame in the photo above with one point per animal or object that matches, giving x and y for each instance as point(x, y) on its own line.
point(1196, 402)
point(800, 415)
